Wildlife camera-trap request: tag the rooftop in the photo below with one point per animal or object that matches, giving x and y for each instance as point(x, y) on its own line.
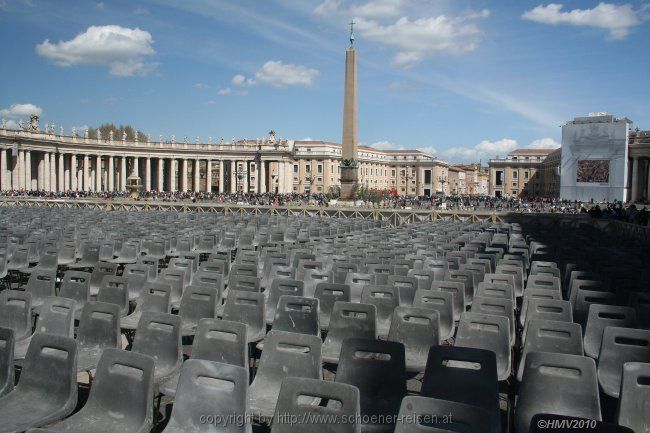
point(531, 152)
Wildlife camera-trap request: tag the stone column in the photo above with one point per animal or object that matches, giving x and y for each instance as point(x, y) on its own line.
point(61, 174)
point(46, 171)
point(247, 169)
point(73, 173)
point(53, 182)
point(86, 173)
point(67, 178)
point(288, 177)
point(28, 170)
point(21, 169)
point(280, 177)
point(136, 166)
point(635, 180)
point(172, 175)
point(233, 176)
point(197, 174)
point(3, 169)
point(123, 174)
point(98, 173)
point(111, 173)
point(161, 174)
point(208, 176)
point(261, 174)
point(222, 178)
point(184, 175)
point(147, 174)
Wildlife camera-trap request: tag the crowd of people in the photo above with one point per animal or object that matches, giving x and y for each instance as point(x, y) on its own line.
point(614, 210)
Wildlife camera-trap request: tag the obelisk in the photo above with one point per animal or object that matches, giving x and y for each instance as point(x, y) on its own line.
point(349, 165)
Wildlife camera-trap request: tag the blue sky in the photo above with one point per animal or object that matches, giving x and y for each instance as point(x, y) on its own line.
point(464, 80)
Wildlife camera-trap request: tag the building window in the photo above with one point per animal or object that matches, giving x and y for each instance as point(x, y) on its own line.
point(402, 173)
point(393, 172)
point(514, 184)
point(331, 169)
point(307, 168)
point(526, 174)
point(320, 168)
point(515, 174)
point(295, 168)
point(319, 179)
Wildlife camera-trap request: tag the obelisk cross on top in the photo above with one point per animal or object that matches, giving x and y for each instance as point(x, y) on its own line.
point(349, 164)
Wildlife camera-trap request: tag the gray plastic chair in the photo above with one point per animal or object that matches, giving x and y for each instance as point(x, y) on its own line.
point(16, 313)
point(640, 301)
point(281, 287)
point(406, 286)
point(484, 331)
point(539, 294)
point(385, 299)
point(101, 270)
point(457, 290)
point(206, 389)
point(443, 303)
point(137, 275)
point(586, 298)
point(465, 277)
point(247, 308)
point(620, 345)
point(120, 399)
point(295, 390)
point(41, 284)
point(438, 267)
point(76, 286)
point(417, 329)
point(557, 384)
point(218, 341)
point(297, 314)
point(57, 318)
point(440, 416)
point(285, 354)
point(115, 290)
point(550, 336)
point(357, 281)
point(424, 278)
point(89, 257)
point(547, 309)
point(464, 375)
point(635, 397)
point(327, 294)
point(49, 377)
point(99, 329)
point(378, 369)
point(197, 303)
point(543, 282)
point(599, 318)
point(498, 307)
point(213, 280)
point(314, 277)
point(493, 290)
point(6, 360)
point(348, 320)
point(155, 297)
point(159, 336)
point(502, 279)
point(248, 283)
point(176, 279)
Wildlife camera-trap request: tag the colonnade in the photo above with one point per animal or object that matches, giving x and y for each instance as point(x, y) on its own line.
point(640, 179)
point(52, 171)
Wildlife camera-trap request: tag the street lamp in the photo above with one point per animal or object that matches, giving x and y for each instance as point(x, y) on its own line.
point(443, 180)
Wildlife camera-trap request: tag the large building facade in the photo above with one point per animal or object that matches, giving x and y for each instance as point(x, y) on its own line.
point(518, 174)
point(38, 160)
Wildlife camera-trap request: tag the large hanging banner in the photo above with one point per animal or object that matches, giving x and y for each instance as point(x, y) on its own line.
point(593, 171)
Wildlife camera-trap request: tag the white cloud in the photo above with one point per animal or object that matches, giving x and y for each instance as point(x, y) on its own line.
point(387, 145)
point(224, 91)
point(482, 151)
point(428, 149)
point(279, 74)
point(328, 7)
point(201, 86)
point(378, 8)
point(122, 49)
point(12, 124)
point(617, 19)
point(425, 37)
point(544, 143)
point(21, 111)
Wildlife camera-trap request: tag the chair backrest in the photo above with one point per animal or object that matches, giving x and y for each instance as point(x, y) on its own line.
point(585, 298)
point(495, 290)
point(489, 332)
point(502, 279)
point(296, 390)
point(443, 303)
point(543, 281)
point(155, 297)
point(465, 277)
point(213, 280)
point(539, 294)
point(378, 369)
point(16, 312)
point(246, 283)
point(498, 307)
point(620, 345)
point(198, 303)
point(50, 371)
point(57, 317)
point(551, 336)
point(99, 325)
point(426, 415)
point(221, 341)
point(340, 271)
point(548, 309)
point(75, 285)
point(130, 376)
point(424, 277)
point(248, 308)
point(417, 329)
point(406, 286)
point(327, 294)
point(6, 360)
point(635, 396)
point(207, 387)
point(385, 299)
point(463, 375)
point(348, 320)
point(115, 290)
point(558, 384)
point(159, 335)
point(457, 290)
point(281, 287)
point(599, 318)
point(101, 270)
point(41, 283)
point(357, 281)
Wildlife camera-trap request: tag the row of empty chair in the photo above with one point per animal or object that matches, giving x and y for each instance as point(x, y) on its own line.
point(206, 322)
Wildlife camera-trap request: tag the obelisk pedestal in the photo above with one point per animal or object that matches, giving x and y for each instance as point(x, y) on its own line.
point(349, 162)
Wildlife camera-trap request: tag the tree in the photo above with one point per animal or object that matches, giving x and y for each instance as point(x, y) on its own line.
point(106, 128)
